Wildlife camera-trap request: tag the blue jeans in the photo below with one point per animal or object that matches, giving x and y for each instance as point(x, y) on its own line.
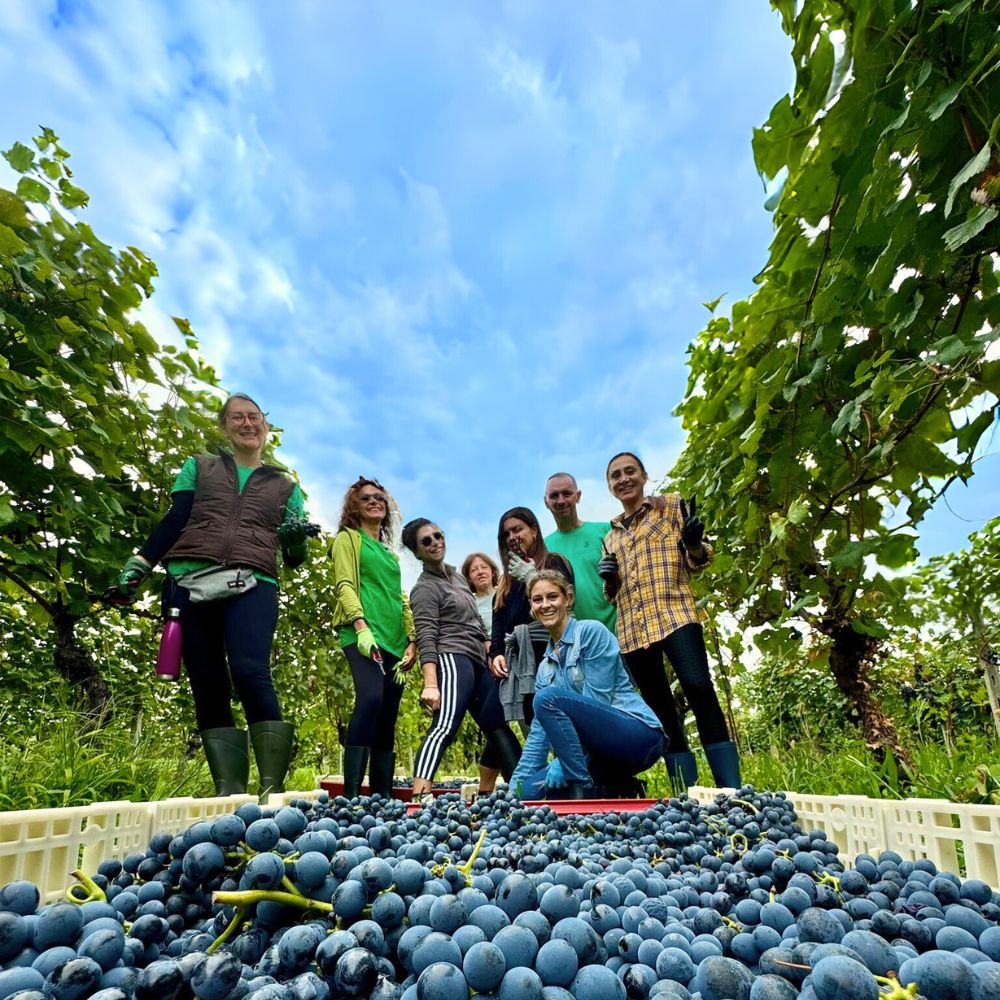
point(590, 738)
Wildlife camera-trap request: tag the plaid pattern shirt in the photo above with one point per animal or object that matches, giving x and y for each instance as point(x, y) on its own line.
point(655, 597)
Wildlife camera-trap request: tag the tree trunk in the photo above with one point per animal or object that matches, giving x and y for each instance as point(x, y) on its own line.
point(849, 661)
point(989, 663)
point(77, 667)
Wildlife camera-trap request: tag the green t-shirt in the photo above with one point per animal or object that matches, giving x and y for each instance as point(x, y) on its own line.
point(582, 547)
point(381, 598)
point(187, 479)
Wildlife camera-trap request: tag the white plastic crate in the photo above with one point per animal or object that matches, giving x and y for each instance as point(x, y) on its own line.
point(958, 837)
point(175, 815)
point(46, 845)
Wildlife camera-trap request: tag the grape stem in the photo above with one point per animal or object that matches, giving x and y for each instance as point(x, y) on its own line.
point(897, 991)
point(249, 897)
point(94, 892)
point(228, 932)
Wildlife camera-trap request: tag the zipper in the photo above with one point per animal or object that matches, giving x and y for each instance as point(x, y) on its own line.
point(234, 512)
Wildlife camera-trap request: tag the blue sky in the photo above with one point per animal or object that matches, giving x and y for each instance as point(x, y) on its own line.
point(456, 246)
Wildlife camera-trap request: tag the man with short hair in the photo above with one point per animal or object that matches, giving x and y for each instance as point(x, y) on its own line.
point(581, 542)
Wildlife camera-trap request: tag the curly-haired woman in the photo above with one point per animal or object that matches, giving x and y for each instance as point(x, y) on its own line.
point(376, 631)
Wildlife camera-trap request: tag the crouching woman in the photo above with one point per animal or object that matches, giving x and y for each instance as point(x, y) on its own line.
point(586, 710)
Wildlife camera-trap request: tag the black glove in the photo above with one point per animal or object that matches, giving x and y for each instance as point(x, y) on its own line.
point(693, 529)
point(292, 536)
point(607, 568)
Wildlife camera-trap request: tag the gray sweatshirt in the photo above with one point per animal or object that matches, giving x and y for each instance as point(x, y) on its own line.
point(447, 620)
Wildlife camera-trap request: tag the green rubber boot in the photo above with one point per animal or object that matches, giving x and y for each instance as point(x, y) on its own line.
point(381, 769)
point(272, 749)
point(228, 753)
point(355, 762)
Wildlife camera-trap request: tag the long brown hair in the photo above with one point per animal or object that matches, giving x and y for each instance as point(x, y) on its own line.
point(350, 513)
point(538, 554)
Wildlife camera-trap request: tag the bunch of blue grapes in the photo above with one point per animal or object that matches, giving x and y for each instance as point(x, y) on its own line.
point(356, 900)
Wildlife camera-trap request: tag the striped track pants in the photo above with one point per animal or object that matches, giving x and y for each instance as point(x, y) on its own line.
point(465, 686)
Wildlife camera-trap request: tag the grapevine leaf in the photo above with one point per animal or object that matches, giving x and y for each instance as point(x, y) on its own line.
point(974, 167)
point(971, 228)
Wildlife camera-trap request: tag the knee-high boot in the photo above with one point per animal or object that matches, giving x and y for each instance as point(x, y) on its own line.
point(228, 754)
point(381, 769)
point(355, 763)
point(272, 749)
point(724, 760)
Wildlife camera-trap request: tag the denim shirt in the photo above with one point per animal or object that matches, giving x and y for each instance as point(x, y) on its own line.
point(586, 660)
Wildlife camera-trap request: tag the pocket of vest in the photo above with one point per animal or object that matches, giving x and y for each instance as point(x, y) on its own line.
point(217, 582)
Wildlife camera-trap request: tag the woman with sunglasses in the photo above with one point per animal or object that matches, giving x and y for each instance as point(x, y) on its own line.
point(230, 513)
point(522, 554)
point(375, 627)
point(451, 639)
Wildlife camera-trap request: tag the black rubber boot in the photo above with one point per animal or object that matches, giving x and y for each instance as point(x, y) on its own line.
point(355, 763)
point(578, 790)
point(682, 769)
point(506, 751)
point(228, 753)
point(272, 749)
point(380, 773)
point(724, 760)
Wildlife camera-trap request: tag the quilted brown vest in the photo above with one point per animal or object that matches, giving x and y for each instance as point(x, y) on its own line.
point(232, 528)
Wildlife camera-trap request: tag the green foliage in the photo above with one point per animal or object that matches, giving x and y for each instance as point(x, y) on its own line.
point(830, 409)
point(81, 443)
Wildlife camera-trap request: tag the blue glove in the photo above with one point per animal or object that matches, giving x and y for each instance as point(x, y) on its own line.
point(554, 776)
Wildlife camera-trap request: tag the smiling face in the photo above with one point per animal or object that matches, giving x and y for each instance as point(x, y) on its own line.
point(520, 537)
point(480, 576)
point(244, 425)
point(550, 604)
point(372, 504)
point(626, 479)
point(430, 544)
point(561, 497)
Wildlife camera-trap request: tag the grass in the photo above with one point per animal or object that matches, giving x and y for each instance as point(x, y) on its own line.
point(66, 764)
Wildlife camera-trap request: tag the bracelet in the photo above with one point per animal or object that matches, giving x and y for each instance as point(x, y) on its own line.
point(430, 687)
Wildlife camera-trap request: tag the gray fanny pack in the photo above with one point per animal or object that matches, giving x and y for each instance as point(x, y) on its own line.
point(216, 582)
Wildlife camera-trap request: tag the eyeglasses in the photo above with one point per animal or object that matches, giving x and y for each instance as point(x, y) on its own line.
point(245, 418)
point(371, 497)
point(428, 540)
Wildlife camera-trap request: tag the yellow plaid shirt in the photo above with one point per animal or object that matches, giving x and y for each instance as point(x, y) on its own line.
point(655, 597)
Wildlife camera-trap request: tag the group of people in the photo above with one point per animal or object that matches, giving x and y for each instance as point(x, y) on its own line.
point(564, 637)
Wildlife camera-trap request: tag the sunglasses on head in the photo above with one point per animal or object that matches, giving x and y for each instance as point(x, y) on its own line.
point(434, 536)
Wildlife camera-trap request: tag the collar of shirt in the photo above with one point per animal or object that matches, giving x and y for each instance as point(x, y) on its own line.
point(552, 651)
point(637, 515)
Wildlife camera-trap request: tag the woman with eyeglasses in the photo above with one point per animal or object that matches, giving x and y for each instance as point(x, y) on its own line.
point(230, 514)
point(452, 641)
point(375, 627)
point(522, 554)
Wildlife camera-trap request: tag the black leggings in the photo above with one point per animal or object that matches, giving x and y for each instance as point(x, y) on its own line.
point(376, 700)
point(464, 686)
point(685, 649)
point(237, 629)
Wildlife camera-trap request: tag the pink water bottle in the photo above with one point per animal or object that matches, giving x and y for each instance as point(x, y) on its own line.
point(168, 659)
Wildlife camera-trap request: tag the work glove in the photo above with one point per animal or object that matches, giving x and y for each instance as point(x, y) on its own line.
point(554, 776)
point(133, 573)
point(607, 568)
point(292, 536)
point(366, 643)
point(692, 529)
point(521, 569)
